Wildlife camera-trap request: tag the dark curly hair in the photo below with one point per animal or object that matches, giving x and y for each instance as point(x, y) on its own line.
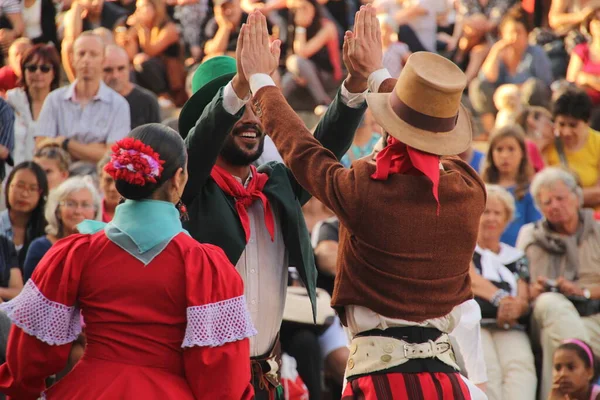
point(572, 102)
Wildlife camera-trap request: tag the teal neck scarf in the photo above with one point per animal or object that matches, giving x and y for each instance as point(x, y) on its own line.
point(142, 228)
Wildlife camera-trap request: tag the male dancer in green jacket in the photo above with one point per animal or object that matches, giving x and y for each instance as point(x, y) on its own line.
point(254, 215)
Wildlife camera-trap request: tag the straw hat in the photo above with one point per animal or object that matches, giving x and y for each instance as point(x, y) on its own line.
point(424, 109)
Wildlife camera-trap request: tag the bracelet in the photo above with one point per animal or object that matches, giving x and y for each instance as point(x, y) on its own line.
point(498, 296)
point(300, 30)
point(65, 144)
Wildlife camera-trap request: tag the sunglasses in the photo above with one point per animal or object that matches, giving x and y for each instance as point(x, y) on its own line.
point(109, 70)
point(44, 68)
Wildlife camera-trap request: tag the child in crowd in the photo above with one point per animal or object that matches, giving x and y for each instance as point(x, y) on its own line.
point(507, 164)
point(539, 133)
point(575, 371)
point(507, 100)
point(55, 162)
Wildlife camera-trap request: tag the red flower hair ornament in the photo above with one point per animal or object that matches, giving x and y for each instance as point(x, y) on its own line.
point(134, 162)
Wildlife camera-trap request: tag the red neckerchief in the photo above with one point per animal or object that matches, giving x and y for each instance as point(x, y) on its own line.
point(245, 196)
point(398, 158)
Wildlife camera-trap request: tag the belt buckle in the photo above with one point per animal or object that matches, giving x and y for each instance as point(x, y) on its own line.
point(411, 355)
point(446, 347)
point(405, 348)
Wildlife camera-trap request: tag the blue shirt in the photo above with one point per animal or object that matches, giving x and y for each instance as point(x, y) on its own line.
point(476, 160)
point(534, 64)
point(6, 226)
point(525, 212)
point(355, 152)
point(7, 125)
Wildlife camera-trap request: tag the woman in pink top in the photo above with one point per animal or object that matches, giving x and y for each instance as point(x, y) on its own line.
point(584, 66)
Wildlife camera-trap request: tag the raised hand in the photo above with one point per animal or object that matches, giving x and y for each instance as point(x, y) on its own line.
point(259, 56)
point(365, 51)
point(239, 82)
point(355, 83)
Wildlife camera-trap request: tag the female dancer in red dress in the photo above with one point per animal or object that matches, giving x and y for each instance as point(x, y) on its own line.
point(165, 316)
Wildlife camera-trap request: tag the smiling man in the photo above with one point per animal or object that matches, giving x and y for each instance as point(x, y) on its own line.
point(253, 214)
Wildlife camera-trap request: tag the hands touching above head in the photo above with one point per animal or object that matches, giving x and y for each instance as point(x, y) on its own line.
point(362, 50)
point(255, 53)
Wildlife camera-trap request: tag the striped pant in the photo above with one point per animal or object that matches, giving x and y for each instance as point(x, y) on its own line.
point(404, 386)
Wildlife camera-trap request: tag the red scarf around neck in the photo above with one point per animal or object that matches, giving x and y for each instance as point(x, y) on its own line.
point(398, 158)
point(245, 196)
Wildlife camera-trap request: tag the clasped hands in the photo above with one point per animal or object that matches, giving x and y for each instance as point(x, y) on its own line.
point(257, 54)
point(509, 311)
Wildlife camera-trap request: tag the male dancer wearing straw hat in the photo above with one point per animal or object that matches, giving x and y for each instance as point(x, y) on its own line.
point(408, 217)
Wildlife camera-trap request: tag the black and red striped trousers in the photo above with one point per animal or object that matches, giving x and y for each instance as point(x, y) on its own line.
point(408, 386)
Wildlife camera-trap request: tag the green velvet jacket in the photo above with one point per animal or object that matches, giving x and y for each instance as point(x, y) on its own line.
point(212, 215)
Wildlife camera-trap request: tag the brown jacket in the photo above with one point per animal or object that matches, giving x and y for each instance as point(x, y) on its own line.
point(396, 257)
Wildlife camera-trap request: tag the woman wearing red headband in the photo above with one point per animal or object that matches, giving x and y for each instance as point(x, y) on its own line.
point(165, 316)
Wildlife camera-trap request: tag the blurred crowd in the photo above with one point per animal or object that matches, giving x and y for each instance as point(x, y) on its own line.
point(78, 75)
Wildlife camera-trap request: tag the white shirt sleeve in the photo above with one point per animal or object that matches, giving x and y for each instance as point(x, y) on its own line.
point(352, 100)
point(231, 102)
point(377, 78)
point(468, 336)
point(258, 81)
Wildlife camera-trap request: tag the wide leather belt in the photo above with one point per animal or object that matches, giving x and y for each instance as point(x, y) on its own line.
point(369, 354)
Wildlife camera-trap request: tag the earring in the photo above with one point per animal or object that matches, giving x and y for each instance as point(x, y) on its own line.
point(183, 214)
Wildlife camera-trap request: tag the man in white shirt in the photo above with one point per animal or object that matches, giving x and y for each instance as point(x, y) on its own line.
point(87, 116)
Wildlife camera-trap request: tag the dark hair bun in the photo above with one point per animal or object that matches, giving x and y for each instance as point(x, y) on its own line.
point(153, 142)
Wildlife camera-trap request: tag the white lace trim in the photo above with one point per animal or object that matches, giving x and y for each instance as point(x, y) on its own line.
point(51, 322)
point(218, 323)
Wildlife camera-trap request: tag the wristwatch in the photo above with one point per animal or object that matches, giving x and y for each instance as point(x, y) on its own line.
point(65, 144)
point(586, 293)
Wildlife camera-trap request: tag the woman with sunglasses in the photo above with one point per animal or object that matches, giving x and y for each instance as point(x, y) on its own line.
point(40, 66)
point(23, 220)
point(55, 162)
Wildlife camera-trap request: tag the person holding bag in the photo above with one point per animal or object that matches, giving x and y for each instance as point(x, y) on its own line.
point(500, 281)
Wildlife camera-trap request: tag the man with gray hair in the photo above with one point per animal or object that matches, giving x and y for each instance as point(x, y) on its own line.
point(562, 250)
point(143, 105)
point(85, 117)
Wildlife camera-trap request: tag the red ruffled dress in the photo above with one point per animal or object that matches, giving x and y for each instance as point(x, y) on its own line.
point(175, 328)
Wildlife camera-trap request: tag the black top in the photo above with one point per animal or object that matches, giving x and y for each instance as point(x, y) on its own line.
point(143, 106)
point(38, 248)
point(8, 260)
point(326, 230)
point(111, 16)
point(518, 267)
point(211, 28)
